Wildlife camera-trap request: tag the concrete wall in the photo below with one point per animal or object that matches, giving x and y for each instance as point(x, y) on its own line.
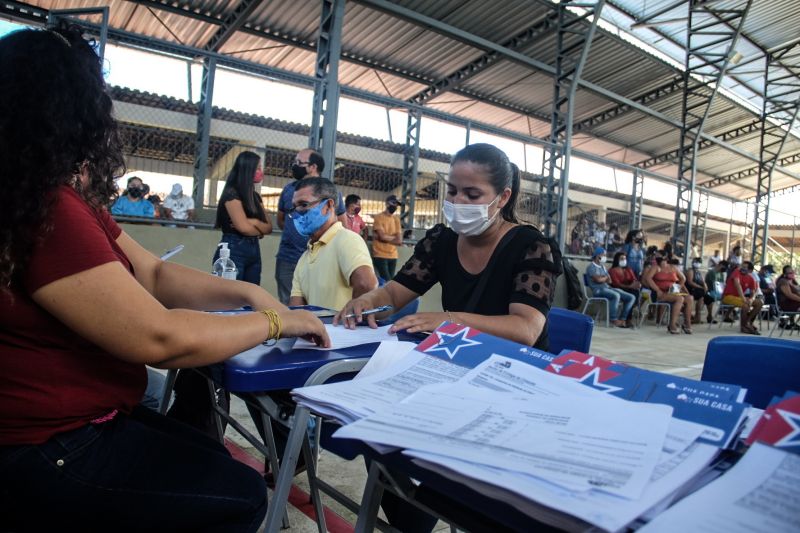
point(200, 244)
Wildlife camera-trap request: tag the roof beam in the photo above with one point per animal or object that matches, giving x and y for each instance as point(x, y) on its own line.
point(673, 86)
point(479, 42)
point(672, 155)
point(232, 23)
point(752, 172)
point(541, 27)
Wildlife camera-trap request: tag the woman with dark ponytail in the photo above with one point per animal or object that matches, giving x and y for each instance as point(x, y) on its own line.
point(496, 274)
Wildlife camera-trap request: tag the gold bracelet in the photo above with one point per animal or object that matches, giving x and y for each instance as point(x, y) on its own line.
point(275, 324)
point(450, 316)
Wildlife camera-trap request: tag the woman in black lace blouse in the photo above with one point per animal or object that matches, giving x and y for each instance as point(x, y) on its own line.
point(484, 240)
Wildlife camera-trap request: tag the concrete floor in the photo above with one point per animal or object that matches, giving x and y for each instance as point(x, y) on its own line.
point(650, 347)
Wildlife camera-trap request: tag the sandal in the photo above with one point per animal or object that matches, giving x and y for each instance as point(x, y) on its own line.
point(686, 329)
point(673, 331)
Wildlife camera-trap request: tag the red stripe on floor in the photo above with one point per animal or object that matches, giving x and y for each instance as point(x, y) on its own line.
point(298, 498)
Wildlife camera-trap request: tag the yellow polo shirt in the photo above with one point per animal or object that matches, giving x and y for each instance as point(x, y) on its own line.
point(390, 225)
point(322, 274)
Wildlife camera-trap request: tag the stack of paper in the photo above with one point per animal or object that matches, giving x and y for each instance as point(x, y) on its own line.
point(759, 494)
point(602, 448)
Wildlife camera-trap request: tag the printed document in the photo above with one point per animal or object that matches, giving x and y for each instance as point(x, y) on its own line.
point(342, 337)
point(567, 509)
point(603, 444)
point(760, 494)
point(387, 354)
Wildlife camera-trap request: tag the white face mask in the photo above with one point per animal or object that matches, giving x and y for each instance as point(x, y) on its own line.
point(623, 263)
point(469, 219)
point(603, 259)
point(695, 265)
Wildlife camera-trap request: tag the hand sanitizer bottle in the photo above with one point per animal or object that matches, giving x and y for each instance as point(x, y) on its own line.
point(224, 267)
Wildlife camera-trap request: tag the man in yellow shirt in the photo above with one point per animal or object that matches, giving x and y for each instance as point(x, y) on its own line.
point(336, 265)
point(387, 236)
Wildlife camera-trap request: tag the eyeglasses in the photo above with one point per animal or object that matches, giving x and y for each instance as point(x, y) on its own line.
point(300, 163)
point(302, 207)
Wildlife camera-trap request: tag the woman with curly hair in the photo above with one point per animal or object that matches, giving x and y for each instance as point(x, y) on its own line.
point(83, 309)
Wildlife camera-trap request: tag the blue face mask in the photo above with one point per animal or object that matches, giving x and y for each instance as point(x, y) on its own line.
point(309, 222)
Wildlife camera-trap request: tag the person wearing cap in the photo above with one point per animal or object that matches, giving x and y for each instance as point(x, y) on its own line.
point(178, 206)
point(599, 279)
point(387, 236)
point(307, 164)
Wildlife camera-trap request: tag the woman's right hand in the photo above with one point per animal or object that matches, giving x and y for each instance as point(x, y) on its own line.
point(300, 323)
point(354, 307)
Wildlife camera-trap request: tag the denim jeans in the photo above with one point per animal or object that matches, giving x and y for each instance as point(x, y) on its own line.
point(245, 254)
point(385, 268)
point(614, 296)
point(137, 472)
point(284, 273)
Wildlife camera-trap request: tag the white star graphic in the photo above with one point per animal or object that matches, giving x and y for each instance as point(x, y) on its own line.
point(593, 378)
point(793, 419)
point(450, 343)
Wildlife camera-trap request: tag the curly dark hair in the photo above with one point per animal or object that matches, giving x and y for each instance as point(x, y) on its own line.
point(56, 128)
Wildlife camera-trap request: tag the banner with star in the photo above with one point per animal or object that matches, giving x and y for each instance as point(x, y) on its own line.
point(780, 424)
point(468, 347)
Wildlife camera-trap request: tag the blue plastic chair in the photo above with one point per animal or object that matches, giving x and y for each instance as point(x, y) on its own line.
point(590, 297)
point(568, 330)
point(766, 367)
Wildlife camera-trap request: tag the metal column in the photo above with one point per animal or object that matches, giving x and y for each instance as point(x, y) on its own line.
point(711, 41)
point(574, 39)
point(204, 107)
point(410, 168)
point(779, 111)
point(635, 221)
point(326, 93)
point(702, 220)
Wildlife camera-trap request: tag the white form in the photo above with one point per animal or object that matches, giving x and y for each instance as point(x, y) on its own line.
point(351, 400)
point(546, 501)
point(581, 444)
point(342, 337)
point(760, 494)
point(387, 354)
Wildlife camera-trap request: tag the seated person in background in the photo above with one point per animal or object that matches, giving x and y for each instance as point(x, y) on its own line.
point(83, 309)
point(715, 285)
point(767, 286)
point(495, 273)
point(336, 266)
point(696, 284)
point(599, 280)
point(788, 292)
point(178, 206)
point(740, 290)
point(352, 218)
point(665, 282)
point(622, 277)
point(133, 203)
point(613, 239)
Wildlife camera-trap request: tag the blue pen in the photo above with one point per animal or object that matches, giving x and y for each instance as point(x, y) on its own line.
point(365, 312)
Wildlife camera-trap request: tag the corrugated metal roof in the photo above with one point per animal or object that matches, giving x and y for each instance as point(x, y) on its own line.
point(389, 55)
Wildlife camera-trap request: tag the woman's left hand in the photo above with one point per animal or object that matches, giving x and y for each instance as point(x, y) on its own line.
point(419, 322)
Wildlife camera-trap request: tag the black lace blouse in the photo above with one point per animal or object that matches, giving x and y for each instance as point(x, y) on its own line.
point(525, 272)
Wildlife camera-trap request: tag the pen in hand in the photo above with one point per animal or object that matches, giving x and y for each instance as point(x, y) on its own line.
point(365, 312)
